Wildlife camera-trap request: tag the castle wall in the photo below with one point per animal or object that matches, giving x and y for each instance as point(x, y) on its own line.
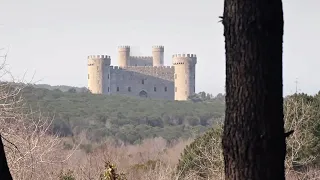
point(106, 80)
point(143, 75)
point(156, 82)
point(184, 77)
point(162, 72)
point(123, 56)
point(140, 61)
point(158, 55)
point(98, 69)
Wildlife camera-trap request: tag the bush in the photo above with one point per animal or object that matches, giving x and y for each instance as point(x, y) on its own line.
point(66, 176)
point(111, 173)
point(302, 115)
point(203, 157)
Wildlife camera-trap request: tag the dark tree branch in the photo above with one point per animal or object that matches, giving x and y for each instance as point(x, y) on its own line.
point(221, 17)
point(287, 134)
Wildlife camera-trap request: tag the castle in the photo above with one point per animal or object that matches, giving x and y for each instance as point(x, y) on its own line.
point(143, 76)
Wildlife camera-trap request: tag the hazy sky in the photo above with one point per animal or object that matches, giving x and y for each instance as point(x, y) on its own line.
point(53, 38)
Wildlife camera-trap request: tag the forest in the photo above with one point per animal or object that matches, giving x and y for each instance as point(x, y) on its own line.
point(127, 119)
point(73, 134)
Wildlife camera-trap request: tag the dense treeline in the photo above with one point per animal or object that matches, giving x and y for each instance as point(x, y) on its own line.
point(124, 118)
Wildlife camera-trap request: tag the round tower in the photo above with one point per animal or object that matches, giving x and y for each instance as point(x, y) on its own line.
point(99, 74)
point(157, 55)
point(184, 75)
point(123, 56)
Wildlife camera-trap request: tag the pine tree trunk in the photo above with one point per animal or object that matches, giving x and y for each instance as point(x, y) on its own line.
point(253, 140)
point(4, 169)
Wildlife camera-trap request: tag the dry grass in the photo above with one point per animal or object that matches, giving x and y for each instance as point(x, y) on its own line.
point(130, 160)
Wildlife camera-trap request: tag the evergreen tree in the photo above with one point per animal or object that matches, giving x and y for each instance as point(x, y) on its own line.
point(254, 141)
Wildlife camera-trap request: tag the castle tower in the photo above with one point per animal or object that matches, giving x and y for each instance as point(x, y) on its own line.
point(157, 55)
point(99, 74)
point(184, 76)
point(123, 56)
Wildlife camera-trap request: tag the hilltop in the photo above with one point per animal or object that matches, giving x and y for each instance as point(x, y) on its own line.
point(63, 88)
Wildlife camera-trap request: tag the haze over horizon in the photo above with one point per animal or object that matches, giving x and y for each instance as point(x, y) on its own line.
point(53, 38)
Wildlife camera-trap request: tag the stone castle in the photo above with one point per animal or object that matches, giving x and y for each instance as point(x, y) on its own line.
point(143, 76)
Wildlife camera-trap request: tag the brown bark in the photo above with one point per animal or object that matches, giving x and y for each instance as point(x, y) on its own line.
point(4, 169)
point(253, 140)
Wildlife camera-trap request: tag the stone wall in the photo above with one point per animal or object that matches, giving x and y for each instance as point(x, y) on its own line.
point(162, 72)
point(143, 75)
point(158, 55)
point(98, 69)
point(184, 75)
point(140, 61)
point(153, 82)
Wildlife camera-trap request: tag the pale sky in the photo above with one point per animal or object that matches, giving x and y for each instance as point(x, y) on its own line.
point(53, 38)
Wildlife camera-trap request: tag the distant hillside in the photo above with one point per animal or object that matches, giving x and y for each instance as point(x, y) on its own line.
point(62, 88)
point(125, 118)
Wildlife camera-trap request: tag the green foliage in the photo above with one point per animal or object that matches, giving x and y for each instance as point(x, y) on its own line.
point(122, 118)
point(62, 88)
point(111, 173)
point(206, 97)
point(204, 155)
point(66, 176)
point(149, 165)
point(72, 90)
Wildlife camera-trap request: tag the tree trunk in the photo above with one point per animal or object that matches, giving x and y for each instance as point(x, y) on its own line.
point(253, 141)
point(4, 169)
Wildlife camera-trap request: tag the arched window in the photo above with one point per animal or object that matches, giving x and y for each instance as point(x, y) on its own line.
point(143, 94)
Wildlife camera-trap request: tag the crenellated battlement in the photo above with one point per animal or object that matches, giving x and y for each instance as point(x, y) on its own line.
point(156, 68)
point(99, 57)
point(143, 76)
point(184, 55)
point(157, 48)
point(184, 58)
point(124, 47)
point(97, 60)
point(141, 57)
point(151, 67)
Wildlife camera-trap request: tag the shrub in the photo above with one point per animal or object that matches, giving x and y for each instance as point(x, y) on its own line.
point(66, 176)
point(111, 173)
point(203, 157)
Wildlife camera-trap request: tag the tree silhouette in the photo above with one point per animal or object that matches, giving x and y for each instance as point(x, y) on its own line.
point(4, 169)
